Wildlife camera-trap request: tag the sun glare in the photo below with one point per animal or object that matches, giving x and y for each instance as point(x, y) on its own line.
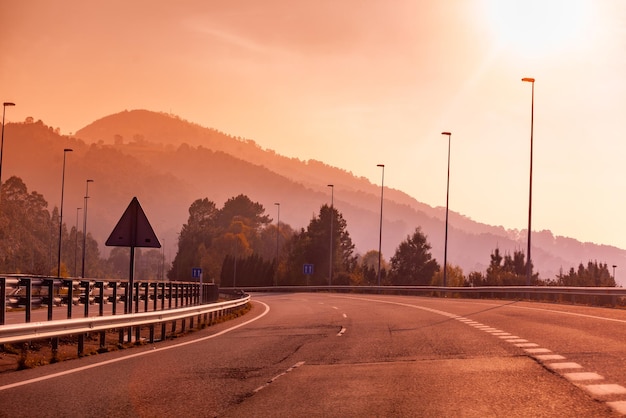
point(537, 26)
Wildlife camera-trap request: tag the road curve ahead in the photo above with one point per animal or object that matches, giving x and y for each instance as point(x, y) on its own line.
point(343, 355)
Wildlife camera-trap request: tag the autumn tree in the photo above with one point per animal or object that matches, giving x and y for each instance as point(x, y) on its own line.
point(508, 270)
point(594, 274)
point(27, 232)
point(313, 246)
point(196, 234)
point(369, 268)
point(412, 264)
point(455, 277)
point(212, 234)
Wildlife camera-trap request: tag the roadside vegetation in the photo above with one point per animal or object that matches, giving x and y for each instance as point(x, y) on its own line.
point(239, 244)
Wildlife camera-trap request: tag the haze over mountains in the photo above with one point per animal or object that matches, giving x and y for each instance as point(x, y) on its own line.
point(167, 163)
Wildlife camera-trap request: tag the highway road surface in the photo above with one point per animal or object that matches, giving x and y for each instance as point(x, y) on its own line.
point(350, 355)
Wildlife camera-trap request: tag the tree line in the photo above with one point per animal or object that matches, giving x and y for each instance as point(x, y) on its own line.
point(240, 245)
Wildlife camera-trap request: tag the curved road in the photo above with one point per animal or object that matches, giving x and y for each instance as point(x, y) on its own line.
point(349, 355)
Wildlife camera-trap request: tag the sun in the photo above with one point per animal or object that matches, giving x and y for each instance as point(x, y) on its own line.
point(538, 26)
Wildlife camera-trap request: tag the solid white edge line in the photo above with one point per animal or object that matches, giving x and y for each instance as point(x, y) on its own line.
point(143, 353)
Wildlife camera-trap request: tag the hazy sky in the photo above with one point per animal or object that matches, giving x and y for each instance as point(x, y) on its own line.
point(356, 83)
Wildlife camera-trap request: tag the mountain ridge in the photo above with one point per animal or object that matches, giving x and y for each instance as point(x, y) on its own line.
point(169, 162)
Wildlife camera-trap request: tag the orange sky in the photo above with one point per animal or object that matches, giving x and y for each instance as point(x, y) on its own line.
point(356, 83)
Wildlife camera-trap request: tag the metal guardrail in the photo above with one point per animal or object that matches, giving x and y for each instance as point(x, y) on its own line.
point(30, 292)
point(478, 290)
point(58, 328)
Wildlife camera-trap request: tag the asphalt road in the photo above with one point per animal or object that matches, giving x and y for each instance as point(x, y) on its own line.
point(344, 355)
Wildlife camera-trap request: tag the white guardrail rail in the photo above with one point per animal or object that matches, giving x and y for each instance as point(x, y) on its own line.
point(58, 328)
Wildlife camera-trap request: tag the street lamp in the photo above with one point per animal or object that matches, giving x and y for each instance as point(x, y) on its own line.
point(4, 107)
point(614, 271)
point(445, 247)
point(530, 190)
point(332, 215)
point(76, 242)
point(380, 233)
point(277, 232)
point(65, 151)
point(85, 227)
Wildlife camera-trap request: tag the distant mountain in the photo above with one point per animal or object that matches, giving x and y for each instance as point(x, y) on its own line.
point(168, 162)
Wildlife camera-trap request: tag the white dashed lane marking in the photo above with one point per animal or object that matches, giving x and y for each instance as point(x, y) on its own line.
point(555, 362)
point(580, 376)
point(606, 389)
point(295, 366)
point(562, 366)
point(541, 354)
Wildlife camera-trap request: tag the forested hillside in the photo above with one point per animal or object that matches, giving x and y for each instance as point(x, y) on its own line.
point(168, 163)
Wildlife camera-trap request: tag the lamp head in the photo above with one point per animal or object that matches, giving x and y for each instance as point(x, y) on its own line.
point(5, 104)
point(528, 79)
point(446, 133)
point(380, 165)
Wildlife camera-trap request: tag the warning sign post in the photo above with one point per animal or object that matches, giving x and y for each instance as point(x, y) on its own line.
point(133, 230)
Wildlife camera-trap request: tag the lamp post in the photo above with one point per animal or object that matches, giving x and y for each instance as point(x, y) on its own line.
point(445, 246)
point(85, 226)
point(4, 107)
point(65, 151)
point(380, 232)
point(76, 244)
point(614, 271)
point(277, 233)
point(530, 189)
point(332, 215)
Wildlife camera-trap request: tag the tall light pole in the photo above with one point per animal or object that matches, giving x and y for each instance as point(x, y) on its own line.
point(530, 189)
point(445, 246)
point(277, 233)
point(614, 272)
point(85, 226)
point(76, 245)
point(65, 151)
point(332, 215)
point(4, 107)
point(380, 233)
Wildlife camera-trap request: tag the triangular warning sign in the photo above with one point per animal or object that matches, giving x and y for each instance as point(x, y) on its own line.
point(133, 229)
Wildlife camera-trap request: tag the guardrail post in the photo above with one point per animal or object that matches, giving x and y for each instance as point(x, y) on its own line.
point(50, 285)
point(81, 337)
point(136, 297)
point(100, 286)
point(155, 295)
point(81, 345)
point(114, 296)
point(85, 285)
point(169, 295)
point(125, 286)
point(162, 286)
point(3, 300)
point(145, 295)
point(70, 296)
point(27, 283)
